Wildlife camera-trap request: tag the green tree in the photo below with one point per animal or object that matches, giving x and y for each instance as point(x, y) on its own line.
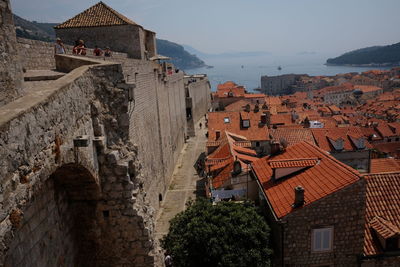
point(226, 234)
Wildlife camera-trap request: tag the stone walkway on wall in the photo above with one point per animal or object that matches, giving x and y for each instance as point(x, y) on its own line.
point(185, 183)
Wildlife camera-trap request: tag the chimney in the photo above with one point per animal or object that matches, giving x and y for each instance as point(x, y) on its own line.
point(264, 118)
point(247, 108)
point(256, 108)
point(298, 196)
point(275, 148)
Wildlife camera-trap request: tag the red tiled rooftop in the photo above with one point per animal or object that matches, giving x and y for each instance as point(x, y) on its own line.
point(322, 137)
point(254, 133)
point(292, 136)
point(292, 163)
point(384, 165)
point(98, 15)
point(383, 201)
point(320, 180)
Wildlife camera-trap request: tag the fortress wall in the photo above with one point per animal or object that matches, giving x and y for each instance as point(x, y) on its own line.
point(40, 223)
point(200, 93)
point(158, 120)
point(10, 67)
point(39, 55)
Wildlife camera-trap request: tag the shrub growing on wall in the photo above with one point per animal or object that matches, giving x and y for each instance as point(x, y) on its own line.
point(226, 234)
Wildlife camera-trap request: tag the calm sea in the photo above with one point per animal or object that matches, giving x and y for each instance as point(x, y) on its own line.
point(247, 71)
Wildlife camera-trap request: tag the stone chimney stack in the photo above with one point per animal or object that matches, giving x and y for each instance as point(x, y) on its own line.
point(275, 148)
point(298, 196)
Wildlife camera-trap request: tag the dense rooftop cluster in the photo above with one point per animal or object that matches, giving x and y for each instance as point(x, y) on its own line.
point(327, 155)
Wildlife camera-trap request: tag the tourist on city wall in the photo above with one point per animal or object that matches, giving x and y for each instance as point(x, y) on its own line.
point(59, 47)
point(107, 52)
point(97, 51)
point(80, 48)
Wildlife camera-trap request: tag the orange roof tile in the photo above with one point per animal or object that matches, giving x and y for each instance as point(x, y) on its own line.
point(322, 137)
point(284, 119)
point(255, 132)
point(367, 88)
point(292, 136)
point(383, 227)
point(98, 15)
point(382, 200)
point(320, 180)
point(292, 163)
point(384, 165)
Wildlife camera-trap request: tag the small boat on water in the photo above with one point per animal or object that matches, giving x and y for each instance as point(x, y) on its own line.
point(279, 68)
point(242, 66)
point(209, 67)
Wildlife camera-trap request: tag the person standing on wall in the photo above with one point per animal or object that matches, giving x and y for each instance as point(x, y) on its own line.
point(59, 47)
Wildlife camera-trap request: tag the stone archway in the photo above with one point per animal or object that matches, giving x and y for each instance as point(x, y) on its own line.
point(59, 225)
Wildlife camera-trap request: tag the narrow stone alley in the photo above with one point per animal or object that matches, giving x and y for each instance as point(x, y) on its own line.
point(185, 183)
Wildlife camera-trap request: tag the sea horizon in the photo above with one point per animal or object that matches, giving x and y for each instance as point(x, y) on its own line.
point(247, 71)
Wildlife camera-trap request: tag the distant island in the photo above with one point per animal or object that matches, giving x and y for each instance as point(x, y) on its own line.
point(388, 55)
point(45, 32)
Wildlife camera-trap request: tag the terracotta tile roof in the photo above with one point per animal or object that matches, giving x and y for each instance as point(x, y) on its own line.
point(292, 163)
point(292, 136)
point(220, 163)
point(98, 15)
point(390, 148)
point(239, 105)
point(320, 180)
point(384, 165)
point(223, 176)
point(254, 95)
point(284, 119)
point(367, 88)
point(227, 85)
point(336, 89)
point(254, 133)
point(322, 137)
point(383, 227)
point(242, 143)
point(243, 150)
point(273, 100)
point(383, 201)
point(385, 131)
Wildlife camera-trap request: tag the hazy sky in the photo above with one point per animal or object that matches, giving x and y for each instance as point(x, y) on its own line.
point(277, 26)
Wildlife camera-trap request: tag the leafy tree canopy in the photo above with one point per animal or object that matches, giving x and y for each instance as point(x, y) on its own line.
point(226, 234)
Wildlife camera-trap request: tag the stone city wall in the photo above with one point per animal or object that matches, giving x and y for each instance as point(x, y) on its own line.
point(157, 122)
point(200, 92)
point(157, 115)
point(97, 191)
point(344, 211)
point(123, 38)
point(39, 55)
point(10, 67)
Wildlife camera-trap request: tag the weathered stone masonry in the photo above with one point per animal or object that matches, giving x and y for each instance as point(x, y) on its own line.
point(10, 68)
point(100, 186)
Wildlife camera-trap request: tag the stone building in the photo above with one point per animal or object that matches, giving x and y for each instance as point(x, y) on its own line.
point(102, 26)
point(278, 85)
point(10, 67)
point(382, 220)
point(315, 206)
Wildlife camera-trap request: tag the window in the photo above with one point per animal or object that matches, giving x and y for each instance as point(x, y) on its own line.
point(246, 123)
point(322, 239)
point(226, 120)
